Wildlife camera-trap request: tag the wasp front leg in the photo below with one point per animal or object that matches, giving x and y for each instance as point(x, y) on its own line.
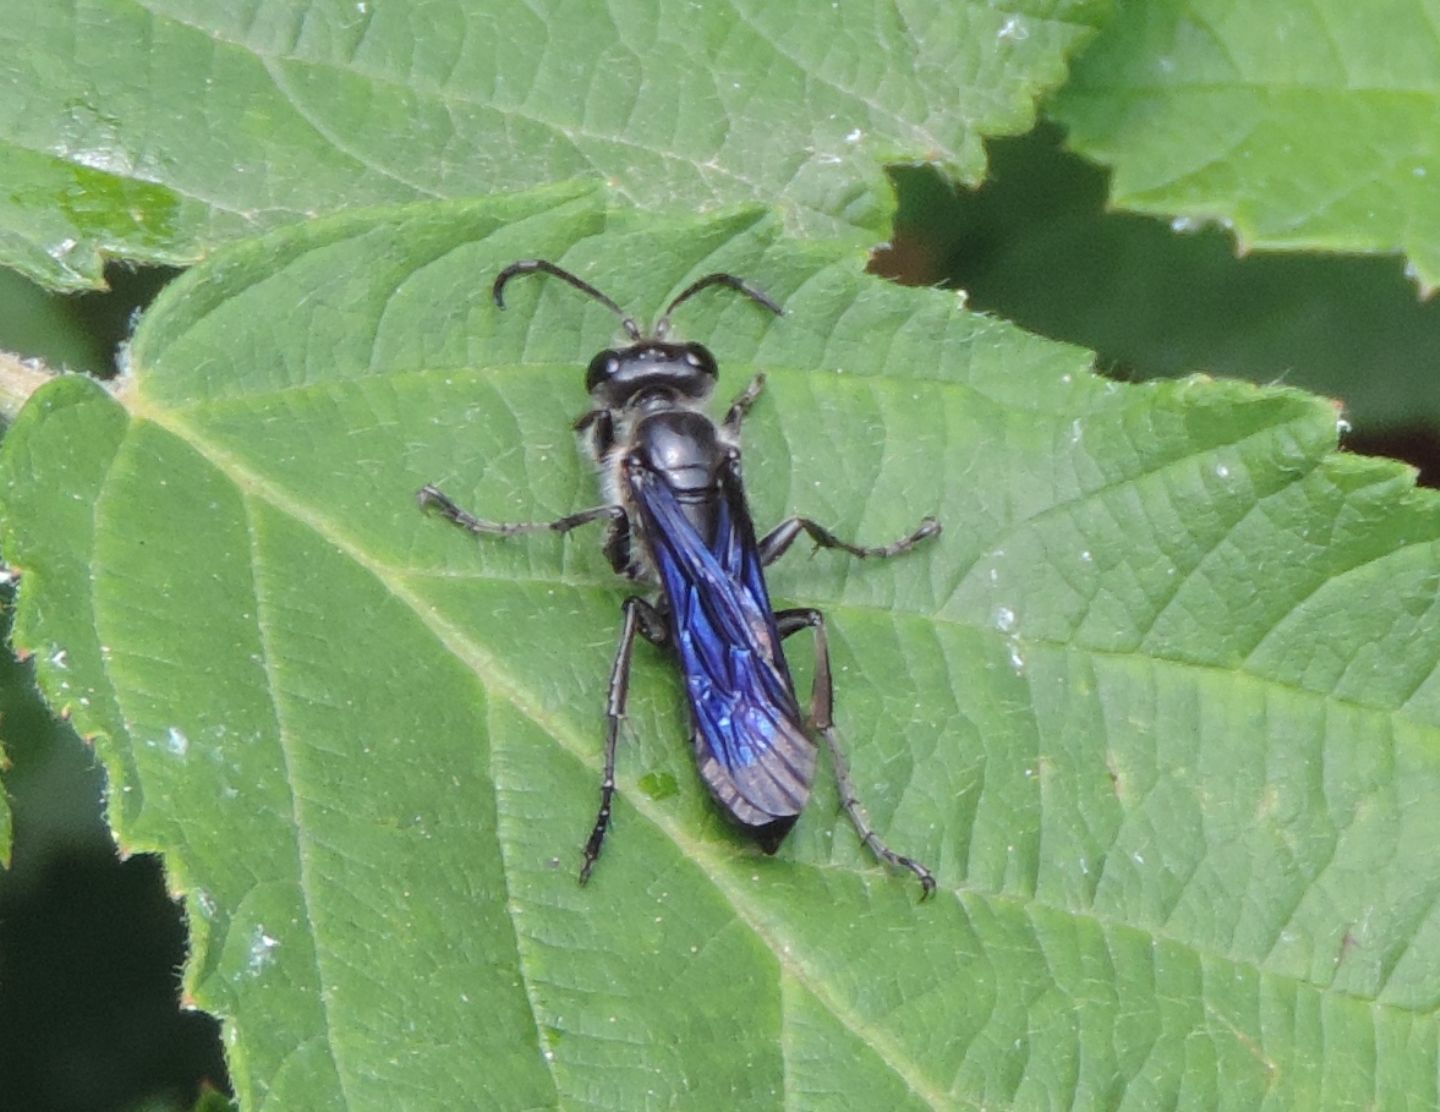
point(735, 415)
point(433, 497)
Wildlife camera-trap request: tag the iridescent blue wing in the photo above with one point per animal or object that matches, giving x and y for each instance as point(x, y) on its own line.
point(735, 547)
point(750, 741)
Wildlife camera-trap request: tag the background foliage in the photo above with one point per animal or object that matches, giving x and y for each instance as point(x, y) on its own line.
point(1158, 708)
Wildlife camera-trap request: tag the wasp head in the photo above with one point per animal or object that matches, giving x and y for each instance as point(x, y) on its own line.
point(651, 366)
point(618, 376)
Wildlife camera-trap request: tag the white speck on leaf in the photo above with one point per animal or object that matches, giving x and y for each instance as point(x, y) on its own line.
point(1014, 30)
point(262, 951)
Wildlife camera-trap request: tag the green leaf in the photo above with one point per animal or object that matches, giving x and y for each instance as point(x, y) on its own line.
point(1159, 706)
point(1302, 126)
point(158, 131)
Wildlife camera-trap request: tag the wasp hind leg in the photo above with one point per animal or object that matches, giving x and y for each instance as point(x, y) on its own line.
point(822, 702)
point(640, 617)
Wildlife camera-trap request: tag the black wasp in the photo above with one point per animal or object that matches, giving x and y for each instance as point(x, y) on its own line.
point(678, 519)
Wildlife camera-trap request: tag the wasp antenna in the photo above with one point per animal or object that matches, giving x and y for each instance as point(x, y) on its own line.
point(530, 266)
point(754, 293)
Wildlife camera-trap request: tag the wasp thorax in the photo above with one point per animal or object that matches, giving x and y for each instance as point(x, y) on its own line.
point(618, 374)
point(681, 445)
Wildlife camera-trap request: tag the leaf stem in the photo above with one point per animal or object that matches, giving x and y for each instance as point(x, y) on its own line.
point(19, 378)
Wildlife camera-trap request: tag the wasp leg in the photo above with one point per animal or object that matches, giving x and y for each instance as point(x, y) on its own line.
point(619, 550)
point(822, 701)
point(647, 620)
point(775, 543)
point(432, 496)
point(741, 406)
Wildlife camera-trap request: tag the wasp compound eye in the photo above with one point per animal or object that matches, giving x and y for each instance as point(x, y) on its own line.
point(698, 356)
point(602, 368)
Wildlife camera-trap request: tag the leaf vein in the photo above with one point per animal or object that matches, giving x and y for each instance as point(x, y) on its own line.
point(297, 816)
